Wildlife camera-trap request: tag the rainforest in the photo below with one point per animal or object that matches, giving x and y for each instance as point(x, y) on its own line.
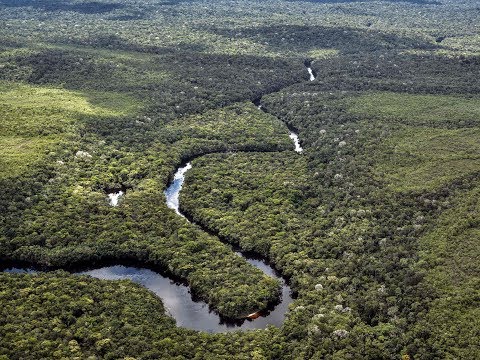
point(213, 179)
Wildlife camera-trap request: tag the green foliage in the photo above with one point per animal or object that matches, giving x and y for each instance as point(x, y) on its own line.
point(18, 153)
point(36, 119)
point(153, 234)
point(375, 223)
point(57, 315)
point(233, 191)
point(449, 256)
point(424, 110)
point(73, 324)
point(427, 158)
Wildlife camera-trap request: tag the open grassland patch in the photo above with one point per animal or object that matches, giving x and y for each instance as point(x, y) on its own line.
point(426, 158)
point(34, 110)
point(322, 53)
point(452, 249)
point(18, 153)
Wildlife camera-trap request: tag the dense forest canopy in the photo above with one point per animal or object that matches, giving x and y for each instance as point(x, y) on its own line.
point(375, 224)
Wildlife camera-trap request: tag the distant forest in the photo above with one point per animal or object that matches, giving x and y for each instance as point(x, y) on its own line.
point(375, 225)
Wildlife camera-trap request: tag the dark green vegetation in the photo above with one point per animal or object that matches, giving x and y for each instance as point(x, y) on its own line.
point(376, 224)
point(68, 317)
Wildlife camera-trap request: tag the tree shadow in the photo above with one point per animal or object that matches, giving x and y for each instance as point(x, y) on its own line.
point(417, 2)
point(93, 7)
point(300, 38)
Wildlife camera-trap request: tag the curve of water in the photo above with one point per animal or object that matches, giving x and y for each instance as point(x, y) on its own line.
point(273, 316)
point(177, 299)
point(172, 192)
point(187, 311)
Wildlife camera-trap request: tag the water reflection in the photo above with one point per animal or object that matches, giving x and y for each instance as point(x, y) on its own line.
point(113, 197)
point(294, 137)
point(173, 191)
point(187, 311)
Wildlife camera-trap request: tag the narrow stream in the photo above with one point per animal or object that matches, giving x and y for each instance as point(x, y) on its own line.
point(173, 191)
point(308, 64)
point(176, 297)
point(294, 137)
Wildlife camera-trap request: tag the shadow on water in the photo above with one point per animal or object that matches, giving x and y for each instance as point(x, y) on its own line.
point(181, 304)
point(188, 311)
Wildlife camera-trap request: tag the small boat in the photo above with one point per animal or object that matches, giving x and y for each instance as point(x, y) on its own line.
point(254, 315)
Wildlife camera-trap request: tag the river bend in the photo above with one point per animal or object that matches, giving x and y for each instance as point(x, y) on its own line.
point(189, 312)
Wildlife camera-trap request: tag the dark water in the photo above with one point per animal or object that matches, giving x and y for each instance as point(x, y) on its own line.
point(178, 301)
point(212, 322)
point(176, 297)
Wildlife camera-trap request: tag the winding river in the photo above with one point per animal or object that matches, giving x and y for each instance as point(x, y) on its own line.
point(187, 311)
point(176, 297)
point(209, 321)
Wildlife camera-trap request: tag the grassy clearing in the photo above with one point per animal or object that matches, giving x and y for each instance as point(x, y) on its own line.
point(426, 158)
point(431, 110)
point(18, 153)
point(466, 44)
point(31, 110)
point(452, 249)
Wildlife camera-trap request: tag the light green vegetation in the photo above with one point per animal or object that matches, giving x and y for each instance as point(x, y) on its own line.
point(18, 153)
point(415, 109)
point(465, 45)
point(29, 110)
point(427, 158)
point(322, 53)
point(450, 255)
point(238, 127)
point(229, 193)
point(439, 144)
point(35, 119)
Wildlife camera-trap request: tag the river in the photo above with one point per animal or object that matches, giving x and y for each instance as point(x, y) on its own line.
point(176, 297)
